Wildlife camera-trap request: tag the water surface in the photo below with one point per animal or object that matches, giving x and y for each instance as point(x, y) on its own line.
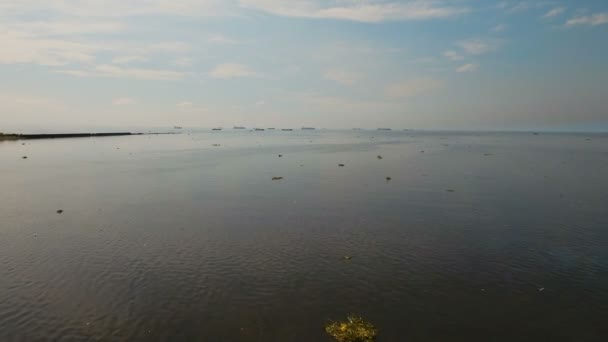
point(477, 236)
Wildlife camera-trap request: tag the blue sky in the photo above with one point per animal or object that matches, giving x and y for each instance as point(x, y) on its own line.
point(429, 64)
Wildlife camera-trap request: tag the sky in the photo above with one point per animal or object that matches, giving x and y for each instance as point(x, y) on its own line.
point(421, 64)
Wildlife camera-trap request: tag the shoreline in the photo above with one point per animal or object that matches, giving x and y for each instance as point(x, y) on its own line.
point(68, 135)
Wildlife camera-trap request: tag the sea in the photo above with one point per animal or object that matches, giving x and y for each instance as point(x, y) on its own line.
point(240, 235)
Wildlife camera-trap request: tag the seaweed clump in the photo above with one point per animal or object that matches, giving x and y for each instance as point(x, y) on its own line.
point(354, 329)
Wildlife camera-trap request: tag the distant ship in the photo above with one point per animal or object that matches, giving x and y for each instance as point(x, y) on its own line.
point(258, 129)
point(177, 127)
point(287, 129)
point(308, 128)
point(216, 129)
point(384, 129)
point(270, 129)
point(238, 127)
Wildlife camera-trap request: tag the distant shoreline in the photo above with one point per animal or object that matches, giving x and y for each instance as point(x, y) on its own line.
point(68, 135)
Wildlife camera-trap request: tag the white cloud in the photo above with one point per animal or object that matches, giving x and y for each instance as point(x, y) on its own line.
point(499, 28)
point(413, 87)
point(554, 12)
point(353, 10)
point(123, 101)
point(21, 47)
point(28, 104)
point(512, 7)
point(453, 55)
point(588, 20)
point(217, 38)
point(127, 59)
point(342, 76)
point(67, 27)
point(184, 104)
point(468, 68)
point(478, 46)
point(113, 71)
point(232, 70)
point(183, 62)
point(116, 8)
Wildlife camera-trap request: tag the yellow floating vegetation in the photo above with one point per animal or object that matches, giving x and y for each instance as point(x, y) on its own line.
point(354, 329)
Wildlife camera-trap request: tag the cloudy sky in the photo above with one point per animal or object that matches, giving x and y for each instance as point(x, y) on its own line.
point(462, 64)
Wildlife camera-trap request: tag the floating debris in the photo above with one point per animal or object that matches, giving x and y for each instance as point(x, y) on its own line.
point(277, 178)
point(451, 190)
point(421, 151)
point(340, 165)
point(388, 179)
point(348, 257)
point(379, 157)
point(216, 145)
point(541, 289)
point(488, 154)
point(59, 211)
point(24, 157)
point(280, 155)
point(354, 329)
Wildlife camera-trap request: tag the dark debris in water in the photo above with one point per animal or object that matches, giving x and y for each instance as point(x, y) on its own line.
point(451, 190)
point(59, 211)
point(379, 157)
point(24, 157)
point(341, 165)
point(388, 179)
point(354, 329)
point(277, 178)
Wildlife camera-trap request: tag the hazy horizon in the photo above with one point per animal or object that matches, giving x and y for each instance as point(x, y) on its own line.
point(421, 64)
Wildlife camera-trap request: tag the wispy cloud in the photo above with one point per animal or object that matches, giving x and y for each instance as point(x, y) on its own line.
point(499, 28)
point(114, 71)
point(412, 87)
point(184, 104)
point(479, 46)
point(217, 38)
point(117, 8)
point(232, 70)
point(588, 20)
point(453, 55)
point(342, 76)
point(366, 11)
point(554, 12)
point(183, 62)
point(123, 101)
point(68, 27)
point(468, 68)
point(22, 47)
point(127, 59)
point(511, 7)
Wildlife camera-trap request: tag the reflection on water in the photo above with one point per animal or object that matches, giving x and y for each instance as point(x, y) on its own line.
point(172, 238)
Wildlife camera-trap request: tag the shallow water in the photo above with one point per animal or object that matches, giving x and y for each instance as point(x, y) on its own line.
point(168, 237)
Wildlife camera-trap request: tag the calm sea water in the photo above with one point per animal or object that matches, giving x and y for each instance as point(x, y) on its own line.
point(481, 237)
